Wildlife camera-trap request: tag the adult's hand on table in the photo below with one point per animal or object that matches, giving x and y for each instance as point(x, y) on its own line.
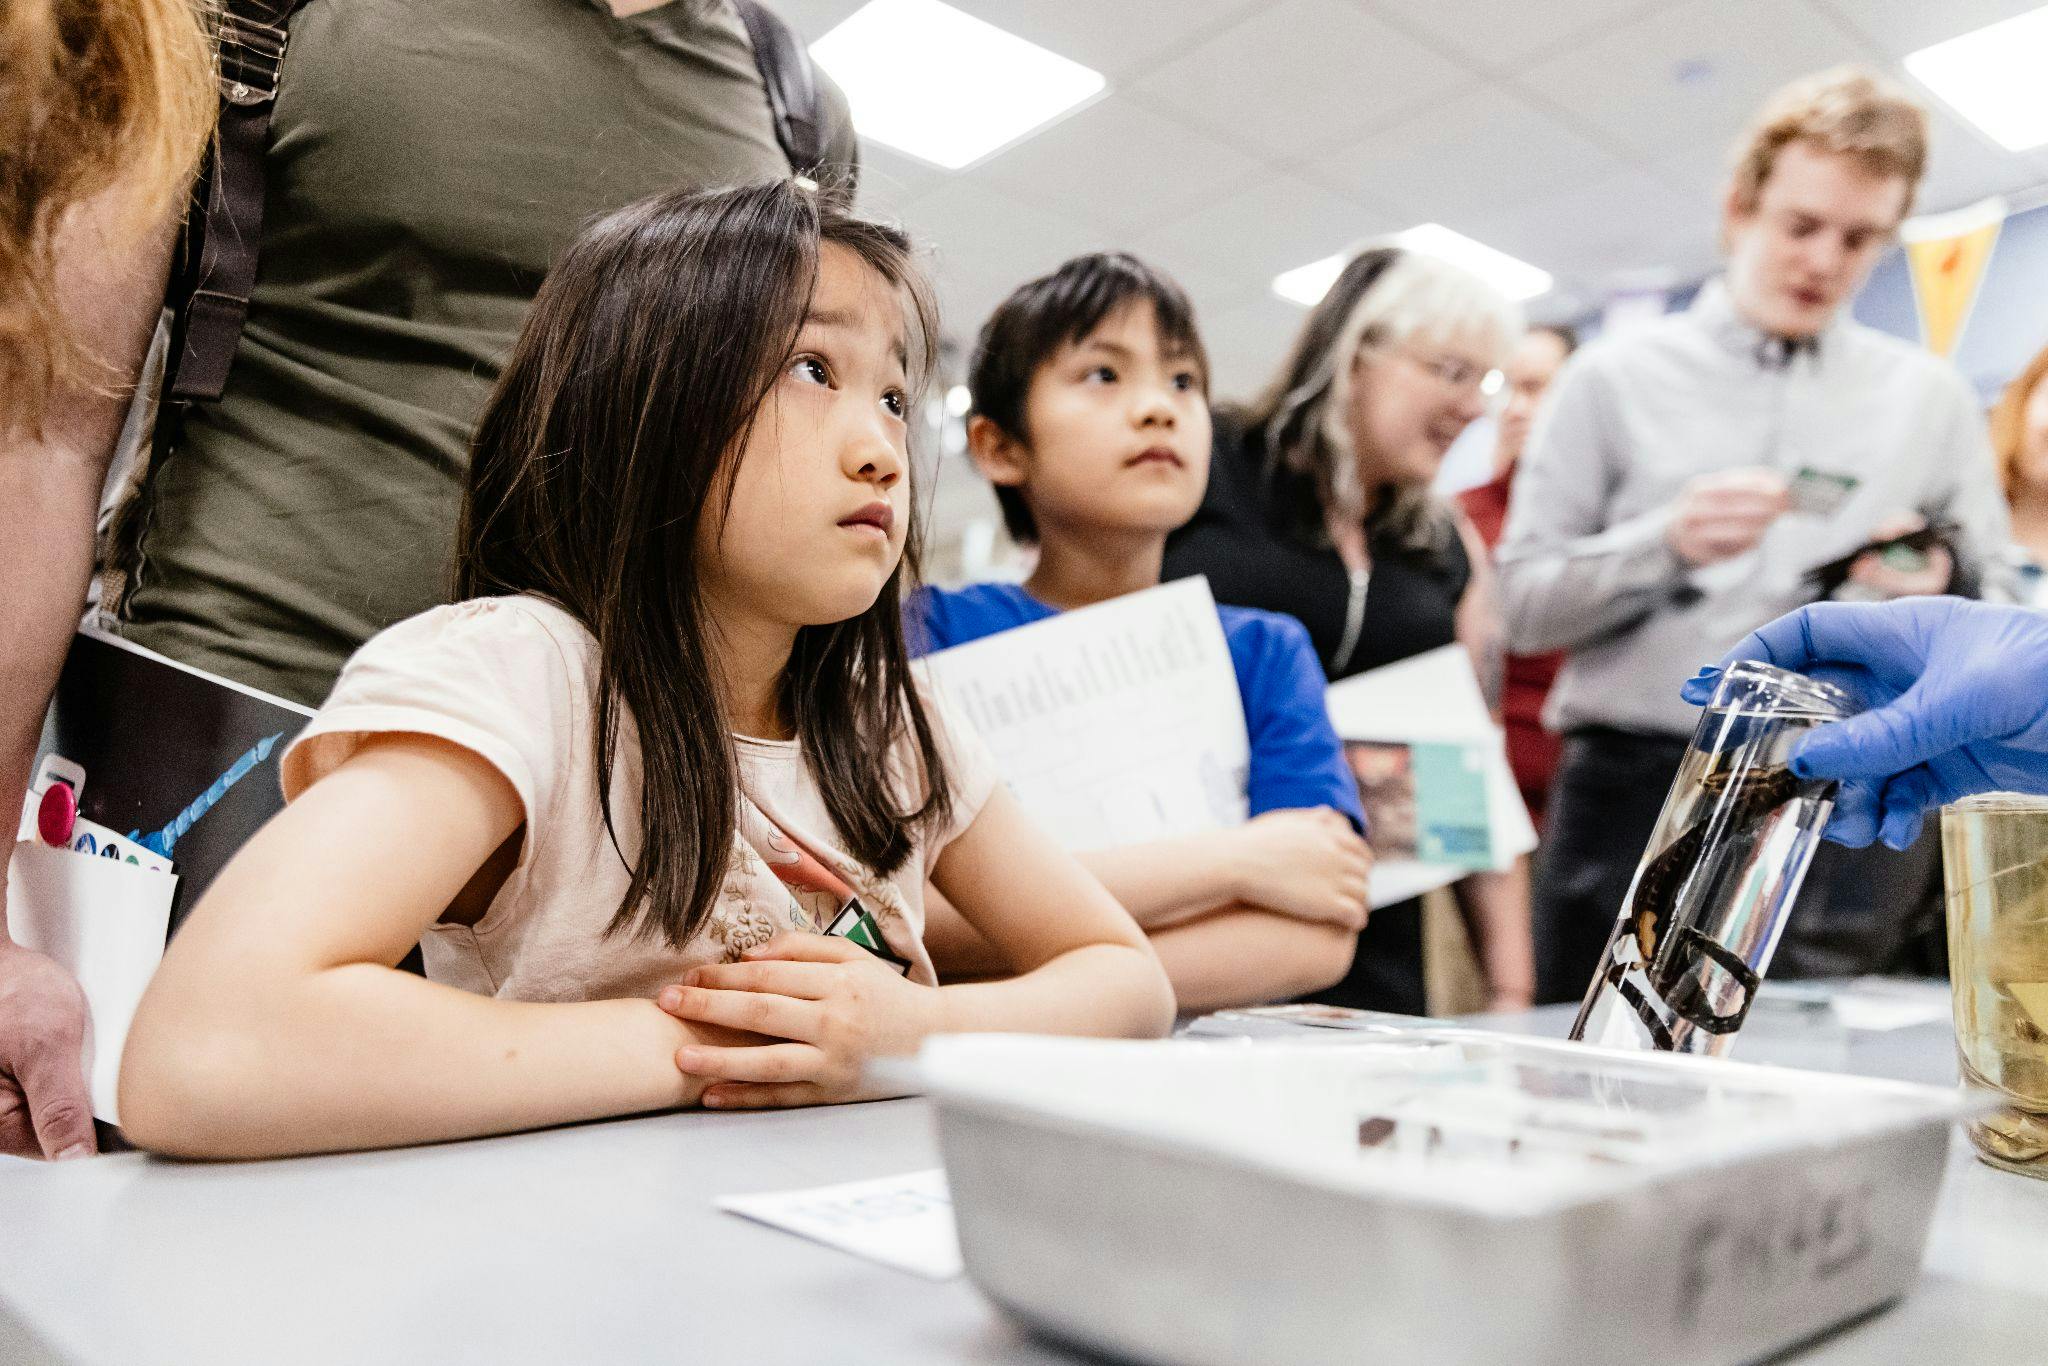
point(45, 1109)
point(1955, 696)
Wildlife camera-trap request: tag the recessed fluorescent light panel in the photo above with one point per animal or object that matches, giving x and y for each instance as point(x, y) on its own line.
point(1993, 78)
point(1306, 285)
point(944, 86)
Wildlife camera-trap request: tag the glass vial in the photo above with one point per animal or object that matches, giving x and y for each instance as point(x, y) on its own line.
point(1994, 852)
point(1723, 866)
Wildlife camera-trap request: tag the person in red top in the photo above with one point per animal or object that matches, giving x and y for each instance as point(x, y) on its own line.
point(1532, 750)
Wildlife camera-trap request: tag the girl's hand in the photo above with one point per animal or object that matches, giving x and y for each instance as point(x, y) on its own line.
point(830, 1003)
point(1306, 863)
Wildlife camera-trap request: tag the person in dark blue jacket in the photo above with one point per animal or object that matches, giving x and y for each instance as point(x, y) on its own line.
point(1090, 416)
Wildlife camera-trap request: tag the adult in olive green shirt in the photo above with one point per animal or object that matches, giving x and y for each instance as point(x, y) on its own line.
point(427, 161)
point(428, 158)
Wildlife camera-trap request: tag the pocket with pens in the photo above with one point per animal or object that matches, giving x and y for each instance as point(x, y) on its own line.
point(97, 902)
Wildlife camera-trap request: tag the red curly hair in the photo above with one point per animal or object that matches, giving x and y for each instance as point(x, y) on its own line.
point(2009, 419)
point(97, 97)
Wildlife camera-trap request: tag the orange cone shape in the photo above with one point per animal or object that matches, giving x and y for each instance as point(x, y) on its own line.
point(1946, 254)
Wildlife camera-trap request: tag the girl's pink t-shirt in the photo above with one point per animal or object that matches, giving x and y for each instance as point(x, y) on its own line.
point(513, 680)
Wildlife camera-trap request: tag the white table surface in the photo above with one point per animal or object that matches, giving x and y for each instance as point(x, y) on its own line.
point(599, 1243)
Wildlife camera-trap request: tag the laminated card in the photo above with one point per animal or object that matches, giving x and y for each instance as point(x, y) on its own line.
point(1432, 772)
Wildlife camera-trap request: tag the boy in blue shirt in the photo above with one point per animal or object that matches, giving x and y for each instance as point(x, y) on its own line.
point(1091, 418)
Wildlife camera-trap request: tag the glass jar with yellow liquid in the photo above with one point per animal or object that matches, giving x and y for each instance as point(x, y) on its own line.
point(1995, 866)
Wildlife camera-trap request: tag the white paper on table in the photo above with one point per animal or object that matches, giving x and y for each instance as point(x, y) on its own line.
point(1114, 724)
point(1433, 697)
point(1879, 1010)
point(1875, 1004)
point(106, 922)
point(901, 1221)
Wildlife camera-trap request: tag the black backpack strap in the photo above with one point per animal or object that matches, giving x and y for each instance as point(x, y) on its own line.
point(791, 84)
point(209, 294)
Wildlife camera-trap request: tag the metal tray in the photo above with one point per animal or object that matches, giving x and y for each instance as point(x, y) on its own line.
point(1432, 1196)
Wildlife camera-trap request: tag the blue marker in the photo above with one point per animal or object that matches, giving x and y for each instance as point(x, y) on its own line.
point(162, 841)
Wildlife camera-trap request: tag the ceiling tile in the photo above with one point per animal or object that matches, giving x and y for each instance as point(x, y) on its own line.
point(1588, 232)
point(889, 181)
point(1897, 27)
point(1699, 174)
point(813, 19)
point(1685, 247)
point(1689, 75)
point(1963, 167)
point(1270, 226)
point(1212, 293)
point(1484, 148)
point(1560, 308)
point(1117, 38)
point(983, 243)
point(1121, 166)
point(1248, 343)
point(1300, 76)
point(1507, 34)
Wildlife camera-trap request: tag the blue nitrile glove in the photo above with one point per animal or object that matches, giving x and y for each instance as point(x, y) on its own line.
point(1956, 698)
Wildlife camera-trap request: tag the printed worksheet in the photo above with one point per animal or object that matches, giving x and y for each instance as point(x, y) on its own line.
point(1423, 721)
point(901, 1221)
point(1113, 724)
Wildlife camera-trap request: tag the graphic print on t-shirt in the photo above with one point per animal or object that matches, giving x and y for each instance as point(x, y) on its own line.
point(820, 899)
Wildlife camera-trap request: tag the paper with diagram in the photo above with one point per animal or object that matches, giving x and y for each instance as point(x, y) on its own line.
point(1423, 721)
point(1112, 724)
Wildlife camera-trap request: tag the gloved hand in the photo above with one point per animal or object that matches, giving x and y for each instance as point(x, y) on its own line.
point(1956, 699)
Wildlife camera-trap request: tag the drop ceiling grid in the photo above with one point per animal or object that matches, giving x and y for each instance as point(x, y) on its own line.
point(1227, 147)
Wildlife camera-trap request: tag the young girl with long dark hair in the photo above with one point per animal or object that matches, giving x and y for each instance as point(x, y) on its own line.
point(666, 744)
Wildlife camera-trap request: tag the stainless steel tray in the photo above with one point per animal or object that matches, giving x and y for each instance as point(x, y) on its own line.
point(1432, 1196)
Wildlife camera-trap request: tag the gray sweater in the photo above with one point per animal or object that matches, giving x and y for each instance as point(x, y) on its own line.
point(1867, 426)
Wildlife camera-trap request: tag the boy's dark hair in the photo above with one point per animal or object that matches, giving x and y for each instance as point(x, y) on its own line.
point(1039, 318)
point(611, 437)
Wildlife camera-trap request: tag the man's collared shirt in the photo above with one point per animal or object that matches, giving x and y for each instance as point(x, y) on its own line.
point(1866, 426)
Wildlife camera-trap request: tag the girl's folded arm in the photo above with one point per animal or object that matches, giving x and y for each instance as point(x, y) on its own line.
point(1085, 967)
point(278, 1023)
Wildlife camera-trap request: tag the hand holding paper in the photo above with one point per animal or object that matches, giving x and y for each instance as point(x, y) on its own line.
point(1113, 724)
point(43, 1106)
point(1431, 706)
point(104, 921)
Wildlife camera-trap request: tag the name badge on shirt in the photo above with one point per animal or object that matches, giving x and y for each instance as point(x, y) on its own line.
point(1821, 493)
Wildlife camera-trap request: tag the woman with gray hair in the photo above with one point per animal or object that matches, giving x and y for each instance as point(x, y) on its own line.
point(1319, 506)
